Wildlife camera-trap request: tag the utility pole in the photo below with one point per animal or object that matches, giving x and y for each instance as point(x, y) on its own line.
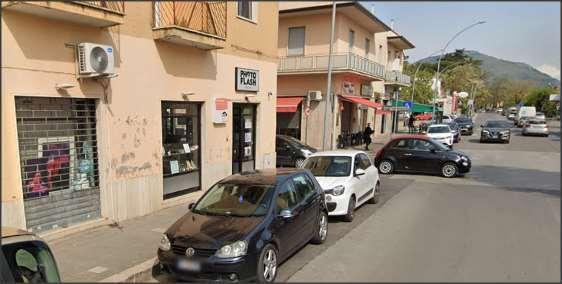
point(329, 93)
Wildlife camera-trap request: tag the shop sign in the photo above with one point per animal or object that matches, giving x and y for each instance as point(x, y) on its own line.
point(247, 79)
point(220, 114)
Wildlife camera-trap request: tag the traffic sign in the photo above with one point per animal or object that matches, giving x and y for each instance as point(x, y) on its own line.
point(408, 104)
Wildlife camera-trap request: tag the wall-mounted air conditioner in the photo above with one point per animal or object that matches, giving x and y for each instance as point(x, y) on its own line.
point(95, 60)
point(315, 95)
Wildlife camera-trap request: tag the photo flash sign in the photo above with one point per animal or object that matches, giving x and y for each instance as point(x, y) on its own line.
point(247, 79)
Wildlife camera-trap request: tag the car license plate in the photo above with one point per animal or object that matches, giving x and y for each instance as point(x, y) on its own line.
point(495, 136)
point(189, 265)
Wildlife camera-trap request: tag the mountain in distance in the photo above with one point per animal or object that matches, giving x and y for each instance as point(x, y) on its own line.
point(498, 68)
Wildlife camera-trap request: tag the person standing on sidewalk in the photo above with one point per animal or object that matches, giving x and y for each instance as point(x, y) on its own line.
point(367, 135)
point(411, 127)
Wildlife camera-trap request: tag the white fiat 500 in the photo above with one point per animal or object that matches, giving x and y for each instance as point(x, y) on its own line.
point(348, 178)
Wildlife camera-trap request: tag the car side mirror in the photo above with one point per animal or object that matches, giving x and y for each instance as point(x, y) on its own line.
point(359, 172)
point(286, 214)
point(191, 205)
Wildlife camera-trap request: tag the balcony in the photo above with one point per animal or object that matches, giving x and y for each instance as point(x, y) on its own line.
point(90, 13)
point(397, 78)
point(345, 62)
point(200, 24)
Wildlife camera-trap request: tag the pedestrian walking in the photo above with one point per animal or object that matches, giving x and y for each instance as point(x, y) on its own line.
point(411, 127)
point(367, 135)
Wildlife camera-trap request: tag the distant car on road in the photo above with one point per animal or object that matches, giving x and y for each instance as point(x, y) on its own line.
point(348, 179)
point(291, 152)
point(244, 226)
point(465, 124)
point(26, 258)
point(523, 120)
point(456, 131)
point(540, 116)
point(499, 110)
point(535, 127)
point(526, 111)
point(447, 118)
point(496, 130)
point(419, 153)
point(441, 133)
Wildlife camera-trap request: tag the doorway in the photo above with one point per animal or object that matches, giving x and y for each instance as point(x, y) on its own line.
point(243, 137)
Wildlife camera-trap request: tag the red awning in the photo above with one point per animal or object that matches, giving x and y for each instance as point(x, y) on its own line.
point(361, 101)
point(288, 104)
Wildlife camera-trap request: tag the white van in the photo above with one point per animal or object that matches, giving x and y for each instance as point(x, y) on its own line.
point(528, 111)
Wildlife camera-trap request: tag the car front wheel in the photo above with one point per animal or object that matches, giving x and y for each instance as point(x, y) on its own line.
point(449, 170)
point(376, 194)
point(267, 265)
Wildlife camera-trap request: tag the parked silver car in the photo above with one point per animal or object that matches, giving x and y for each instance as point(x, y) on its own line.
point(535, 127)
point(540, 115)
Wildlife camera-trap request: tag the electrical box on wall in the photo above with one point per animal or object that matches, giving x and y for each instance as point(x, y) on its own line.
point(315, 95)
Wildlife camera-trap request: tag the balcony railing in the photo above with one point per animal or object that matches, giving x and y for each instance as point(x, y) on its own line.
point(319, 63)
point(203, 17)
point(397, 77)
point(113, 6)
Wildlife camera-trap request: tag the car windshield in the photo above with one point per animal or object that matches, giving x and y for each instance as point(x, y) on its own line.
point(453, 126)
point(239, 200)
point(537, 122)
point(297, 143)
point(439, 129)
point(498, 124)
point(329, 166)
point(31, 262)
point(540, 114)
point(463, 120)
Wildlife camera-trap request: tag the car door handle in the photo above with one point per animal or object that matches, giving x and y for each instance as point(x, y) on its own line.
point(407, 154)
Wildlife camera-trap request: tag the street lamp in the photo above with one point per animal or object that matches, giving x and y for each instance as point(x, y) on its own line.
point(439, 62)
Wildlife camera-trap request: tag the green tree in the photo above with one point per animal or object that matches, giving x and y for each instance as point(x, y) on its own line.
point(540, 98)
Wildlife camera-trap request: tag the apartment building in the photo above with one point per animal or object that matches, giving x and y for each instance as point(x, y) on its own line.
point(190, 100)
point(367, 62)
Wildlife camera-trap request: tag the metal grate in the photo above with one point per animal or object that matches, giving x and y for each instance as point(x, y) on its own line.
point(59, 160)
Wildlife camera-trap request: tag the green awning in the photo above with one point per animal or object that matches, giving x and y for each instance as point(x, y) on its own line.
point(420, 108)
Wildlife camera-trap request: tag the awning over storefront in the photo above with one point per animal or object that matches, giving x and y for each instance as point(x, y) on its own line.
point(288, 104)
point(361, 101)
point(420, 108)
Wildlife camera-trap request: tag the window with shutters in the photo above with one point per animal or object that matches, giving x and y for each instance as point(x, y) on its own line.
point(296, 41)
point(367, 47)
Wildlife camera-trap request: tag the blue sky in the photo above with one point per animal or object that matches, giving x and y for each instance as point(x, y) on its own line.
point(517, 31)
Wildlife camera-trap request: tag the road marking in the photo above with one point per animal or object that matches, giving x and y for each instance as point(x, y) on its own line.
point(98, 269)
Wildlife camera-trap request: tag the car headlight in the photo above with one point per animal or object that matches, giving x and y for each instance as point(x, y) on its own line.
point(235, 249)
point(338, 190)
point(485, 131)
point(505, 132)
point(306, 153)
point(164, 243)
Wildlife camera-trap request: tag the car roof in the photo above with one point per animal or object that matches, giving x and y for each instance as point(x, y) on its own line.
point(350, 153)
point(11, 232)
point(262, 177)
point(410, 136)
point(438, 125)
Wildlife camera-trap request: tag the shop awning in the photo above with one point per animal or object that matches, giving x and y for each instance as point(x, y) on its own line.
point(419, 108)
point(288, 104)
point(361, 101)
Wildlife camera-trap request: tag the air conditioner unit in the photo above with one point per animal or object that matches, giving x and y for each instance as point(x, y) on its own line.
point(95, 60)
point(315, 95)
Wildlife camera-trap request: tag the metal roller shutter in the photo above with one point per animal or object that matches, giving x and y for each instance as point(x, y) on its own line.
point(59, 161)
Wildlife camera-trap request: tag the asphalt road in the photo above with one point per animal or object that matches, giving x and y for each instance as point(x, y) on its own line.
point(501, 222)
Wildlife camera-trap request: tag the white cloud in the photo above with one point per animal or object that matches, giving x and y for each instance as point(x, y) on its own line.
point(550, 70)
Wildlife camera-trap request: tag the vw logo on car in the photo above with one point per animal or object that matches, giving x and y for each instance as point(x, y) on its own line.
point(189, 251)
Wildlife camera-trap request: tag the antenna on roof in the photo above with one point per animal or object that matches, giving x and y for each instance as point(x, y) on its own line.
point(373, 9)
point(392, 24)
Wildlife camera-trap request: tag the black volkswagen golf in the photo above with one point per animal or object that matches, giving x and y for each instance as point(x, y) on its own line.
point(244, 226)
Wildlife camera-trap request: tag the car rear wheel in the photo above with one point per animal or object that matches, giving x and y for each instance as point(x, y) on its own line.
point(322, 229)
point(449, 170)
point(386, 167)
point(299, 163)
point(267, 264)
point(350, 210)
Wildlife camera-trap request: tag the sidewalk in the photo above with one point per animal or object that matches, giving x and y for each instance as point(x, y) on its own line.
point(99, 253)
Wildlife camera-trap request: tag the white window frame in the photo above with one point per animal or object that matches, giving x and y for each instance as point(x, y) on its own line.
point(253, 12)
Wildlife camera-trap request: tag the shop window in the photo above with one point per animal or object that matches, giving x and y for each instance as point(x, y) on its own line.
point(180, 143)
